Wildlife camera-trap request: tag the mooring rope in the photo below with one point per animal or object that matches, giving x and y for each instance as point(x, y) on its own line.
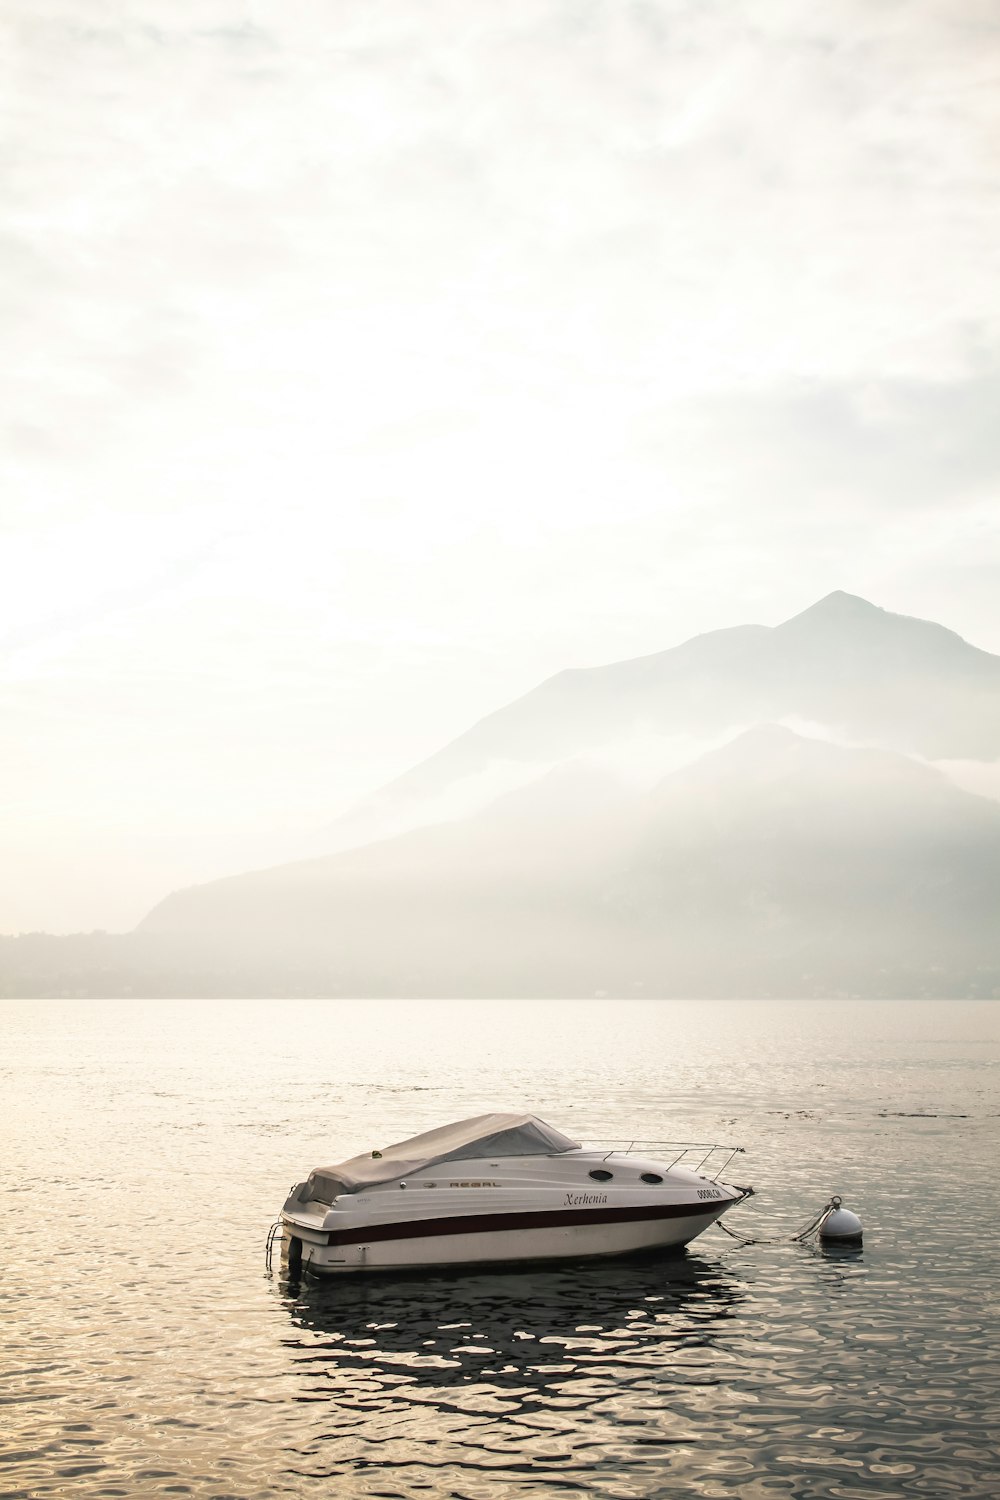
point(803, 1234)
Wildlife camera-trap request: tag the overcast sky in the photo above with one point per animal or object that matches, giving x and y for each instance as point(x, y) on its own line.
point(365, 362)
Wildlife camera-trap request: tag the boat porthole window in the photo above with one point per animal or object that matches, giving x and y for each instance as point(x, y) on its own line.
point(600, 1175)
point(651, 1177)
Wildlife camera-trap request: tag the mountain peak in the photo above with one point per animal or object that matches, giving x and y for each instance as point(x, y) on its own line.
point(762, 746)
point(838, 608)
point(840, 599)
point(844, 625)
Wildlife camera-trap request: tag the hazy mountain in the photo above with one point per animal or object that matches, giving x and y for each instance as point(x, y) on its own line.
point(869, 676)
point(774, 865)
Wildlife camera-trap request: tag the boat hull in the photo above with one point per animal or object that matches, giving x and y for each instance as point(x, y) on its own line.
point(485, 1239)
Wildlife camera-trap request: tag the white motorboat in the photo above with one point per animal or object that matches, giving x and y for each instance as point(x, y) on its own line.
point(499, 1188)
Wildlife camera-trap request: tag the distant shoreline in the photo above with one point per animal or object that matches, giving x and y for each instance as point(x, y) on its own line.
point(137, 966)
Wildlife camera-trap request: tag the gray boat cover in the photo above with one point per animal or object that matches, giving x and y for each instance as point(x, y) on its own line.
point(482, 1136)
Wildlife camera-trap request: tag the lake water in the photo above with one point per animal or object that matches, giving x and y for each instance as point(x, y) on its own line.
point(146, 1146)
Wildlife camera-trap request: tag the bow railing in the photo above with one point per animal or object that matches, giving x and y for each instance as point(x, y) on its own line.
point(709, 1159)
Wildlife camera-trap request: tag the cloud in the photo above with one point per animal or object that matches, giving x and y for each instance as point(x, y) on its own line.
point(869, 446)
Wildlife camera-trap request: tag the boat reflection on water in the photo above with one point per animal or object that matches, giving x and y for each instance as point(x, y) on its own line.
point(576, 1332)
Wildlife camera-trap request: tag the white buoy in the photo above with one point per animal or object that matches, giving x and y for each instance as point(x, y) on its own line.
point(840, 1226)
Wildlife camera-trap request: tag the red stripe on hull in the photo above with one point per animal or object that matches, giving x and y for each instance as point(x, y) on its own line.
point(540, 1219)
